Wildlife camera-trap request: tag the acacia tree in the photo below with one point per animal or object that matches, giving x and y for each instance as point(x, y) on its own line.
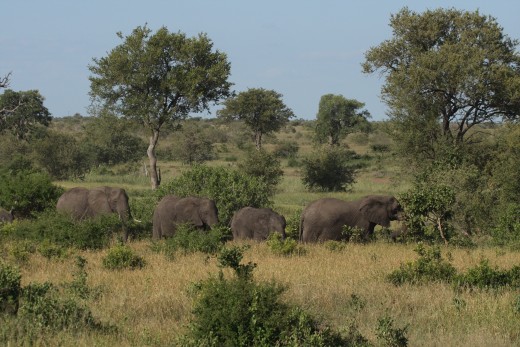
point(158, 79)
point(446, 71)
point(337, 117)
point(261, 110)
point(21, 112)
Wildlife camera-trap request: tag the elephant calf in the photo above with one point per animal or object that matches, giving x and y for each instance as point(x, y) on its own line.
point(173, 210)
point(256, 223)
point(324, 219)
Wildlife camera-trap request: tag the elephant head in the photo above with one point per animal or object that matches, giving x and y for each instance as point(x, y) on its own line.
point(381, 209)
point(6, 216)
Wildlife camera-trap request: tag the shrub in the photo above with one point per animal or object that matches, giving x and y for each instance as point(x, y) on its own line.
point(430, 267)
point(483, 276)
point(329, 169)
point(122, 257)
point(285, 247)
point(230, 189)
point(50, 250)
point(334, 246)
point(241, 312)
point(292, 227)
point(507, 227)
point(286, 149)
point(265, 166)
point(10, 288)
point(28, 192)
point(390, 336)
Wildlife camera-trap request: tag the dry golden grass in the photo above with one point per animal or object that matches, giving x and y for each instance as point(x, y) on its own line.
point(150, 306)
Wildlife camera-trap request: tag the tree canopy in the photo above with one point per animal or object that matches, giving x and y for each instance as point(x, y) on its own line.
point(21, 112)
point(337, 117)
point(261, 110)
point(446, 71)
point(159, 78)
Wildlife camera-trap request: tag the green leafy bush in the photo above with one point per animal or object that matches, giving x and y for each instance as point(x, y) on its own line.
point(507, 228)
point(263, 165)
point(27, 192)
point(483, 276)
point(329, 169)
point(334, 246)
point(230, 189)
point(389, 335)
point(122, 257)
point(189, 239)
point(286, 149)
point(62, 230)
point(292, 227)
point(430, 267)
point(10, 288)
point(285, 247)
point(241, 312)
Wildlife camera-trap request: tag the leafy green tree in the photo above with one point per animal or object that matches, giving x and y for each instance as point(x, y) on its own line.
point(22, 112)
point(446, 71)
point(158, 79)
point(263, 165)
point(193, 146)
point(262, 110)
point(337, 117)
point(112, 141)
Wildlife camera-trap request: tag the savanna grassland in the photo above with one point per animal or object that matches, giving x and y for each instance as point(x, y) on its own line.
point(341, 286)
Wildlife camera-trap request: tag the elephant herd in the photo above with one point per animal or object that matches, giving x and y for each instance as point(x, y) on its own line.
point(321, 220)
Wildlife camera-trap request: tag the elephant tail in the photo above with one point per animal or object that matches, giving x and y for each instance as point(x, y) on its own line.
point(301, 229)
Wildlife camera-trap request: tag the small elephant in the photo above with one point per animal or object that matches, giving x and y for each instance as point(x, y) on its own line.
point(6, 216)
point(324, 219)
point(82, 203)
point(173, 210)
point(256, 223)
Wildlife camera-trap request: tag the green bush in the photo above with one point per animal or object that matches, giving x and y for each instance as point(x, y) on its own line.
point(10, 288)
point(52, 251)
point(241, 312)
point(483, 276)
point(285, 247)
point(507, 228)
point(430, 267)
point(390, 336)
point(329, 169)
point(263, 165)
point(286, 149)
point(28, 192)
point(230, 189)
point(189, 239)
point(292, 227)
point(122, 257)
point(334, 246)
point(62, 230)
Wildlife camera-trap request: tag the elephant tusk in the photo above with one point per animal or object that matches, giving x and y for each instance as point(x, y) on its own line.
point(137, 220)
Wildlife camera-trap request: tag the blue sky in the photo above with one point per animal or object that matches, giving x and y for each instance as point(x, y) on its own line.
point(300, 48)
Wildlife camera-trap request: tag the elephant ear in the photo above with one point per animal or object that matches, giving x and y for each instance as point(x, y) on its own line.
point(374, 209)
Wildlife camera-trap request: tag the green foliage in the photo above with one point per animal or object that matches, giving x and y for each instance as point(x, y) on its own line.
point(292, 227)
point(390, 336)
point(188, 239)
point(337, 116)
point(192, 145)
point(241, 312)
point(122, 257)
point(62, 230)
point(285, 247)
point(430, 267)
point(27, 192)
point(428, 211)
point(263, 165)
point(22, 250)
point(483, 276)
point(507, 227)
point(10, 288)
point(354, 234)
point(63, 156)
point(334, 246)
point(263, 111)
point(230, 189)
point(329, 169)
point(21, 112)
point(52, 251)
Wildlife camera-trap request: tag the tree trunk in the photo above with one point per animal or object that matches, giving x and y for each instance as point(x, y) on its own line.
point(258, 140)
point(154, 177)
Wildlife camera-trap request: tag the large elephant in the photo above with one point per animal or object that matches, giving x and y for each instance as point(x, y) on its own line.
point(173, 210)
point(6, 216)
point(324, 219)
point(82, 203)
point(256, 223)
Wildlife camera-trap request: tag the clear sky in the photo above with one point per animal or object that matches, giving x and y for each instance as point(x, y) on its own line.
point(300, 48)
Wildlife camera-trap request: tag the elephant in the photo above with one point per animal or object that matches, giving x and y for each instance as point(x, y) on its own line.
point(173, 210)
point(82, 203)
point(6, 216)
point(324, 218)
point(256, 223)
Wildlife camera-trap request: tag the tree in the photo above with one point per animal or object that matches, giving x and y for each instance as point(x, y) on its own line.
point(194, 145)
point(337, 117)
point(21, 112)
point(446, 71)
point(262, 110)
point(158, 79)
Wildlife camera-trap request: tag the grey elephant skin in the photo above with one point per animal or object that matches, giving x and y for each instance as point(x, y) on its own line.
point(324, 219)
point(256, 223)
point(173, 210)
point(6, 216)
point(82, 203)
